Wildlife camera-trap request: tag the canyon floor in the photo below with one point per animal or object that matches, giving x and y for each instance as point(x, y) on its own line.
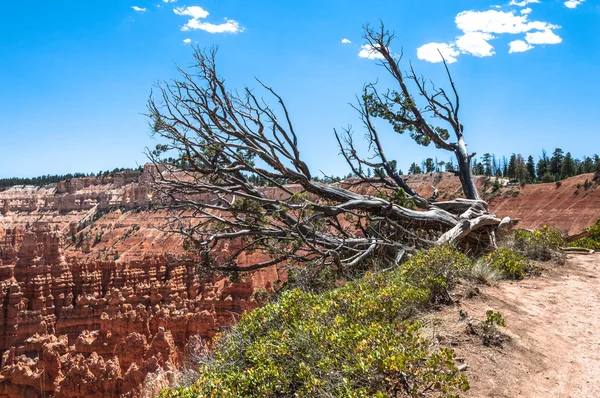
point(553, 329)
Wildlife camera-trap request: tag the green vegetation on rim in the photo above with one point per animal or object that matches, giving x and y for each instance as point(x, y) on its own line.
point(354, 341)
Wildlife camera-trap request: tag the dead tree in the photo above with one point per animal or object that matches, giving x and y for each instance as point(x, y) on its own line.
point(401, 109)
point(224, 140)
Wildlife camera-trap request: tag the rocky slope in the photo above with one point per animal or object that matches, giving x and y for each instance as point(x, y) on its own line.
point(568, 207)
point(93, 296)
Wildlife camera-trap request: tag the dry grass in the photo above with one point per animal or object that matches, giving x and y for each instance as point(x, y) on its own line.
point(482, 272)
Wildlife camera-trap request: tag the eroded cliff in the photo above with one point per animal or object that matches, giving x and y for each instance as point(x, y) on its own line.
point(93, 296)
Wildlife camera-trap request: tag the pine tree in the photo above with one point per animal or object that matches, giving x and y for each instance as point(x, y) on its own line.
point(415, 169)
point(429, 165)
point(512, 166)
point(542, 165)
point(530, 169)
point(486, 160)
point(556, 162)
point(567, 168)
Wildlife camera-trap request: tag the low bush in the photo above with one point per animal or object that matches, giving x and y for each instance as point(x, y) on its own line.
point(508, 263)
point(436, 271)
point(488, 329)
point(586, 243)
point(542, 244)
point(353, 341)
point(592, 241)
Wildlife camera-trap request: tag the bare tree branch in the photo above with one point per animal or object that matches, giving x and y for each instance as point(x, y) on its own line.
point(242, 197)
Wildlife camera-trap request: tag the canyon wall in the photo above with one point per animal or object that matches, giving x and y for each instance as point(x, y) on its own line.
point(94, 296)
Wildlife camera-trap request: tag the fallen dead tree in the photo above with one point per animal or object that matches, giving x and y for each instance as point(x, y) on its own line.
point(229, 145)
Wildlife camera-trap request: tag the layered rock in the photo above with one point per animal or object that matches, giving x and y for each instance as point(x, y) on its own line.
point(93, 296)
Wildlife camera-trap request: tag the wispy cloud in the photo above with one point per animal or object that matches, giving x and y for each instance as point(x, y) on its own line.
point(476, 43)
point(519, 46)
point(480, 27)
point(369, 52)
point(346, 41)
point(498, 22)
point(229, 26)
point(187, 41)
point(522, 3)
point(573, 3)
point(139, 9)
point(197, 13)
point(431, 52)
point(169, 1)
point(544, 37)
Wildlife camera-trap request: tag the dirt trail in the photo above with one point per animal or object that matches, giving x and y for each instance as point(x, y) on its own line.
point(554, 325)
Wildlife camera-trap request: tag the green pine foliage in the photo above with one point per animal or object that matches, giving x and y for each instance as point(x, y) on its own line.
point(41, 181)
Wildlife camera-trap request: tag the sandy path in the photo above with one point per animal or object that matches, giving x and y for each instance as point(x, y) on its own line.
point(554, 324)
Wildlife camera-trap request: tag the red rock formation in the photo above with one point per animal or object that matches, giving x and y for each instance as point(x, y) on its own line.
point(92, 298)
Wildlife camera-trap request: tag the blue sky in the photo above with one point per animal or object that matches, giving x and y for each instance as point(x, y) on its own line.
point(76, 74)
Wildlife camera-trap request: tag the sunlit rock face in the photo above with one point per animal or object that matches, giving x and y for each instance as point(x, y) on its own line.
point(93, 296)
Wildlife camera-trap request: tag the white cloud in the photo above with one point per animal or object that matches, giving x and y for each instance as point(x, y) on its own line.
point(430, 52)
point(229, 26)
point(194, 11)
point(522, 3)
point(197, 13)
point(499, 22)
point(369, 52)
point(546, 36)
point(346, 41)
point(169, 1)
point(476, 43)
point(519, 46)
point(573, 3)
point(480, 27)
point(139, 9)
point(187, 41)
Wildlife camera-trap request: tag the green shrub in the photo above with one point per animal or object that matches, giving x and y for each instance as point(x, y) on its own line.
point(508, 262)
point(354, 341)
point(436, 271)
point(592, 241)
point(493, 318)
point(542, 244)
point(489, 332)
point(315, 278)
point(488, 328)
point(586, 243)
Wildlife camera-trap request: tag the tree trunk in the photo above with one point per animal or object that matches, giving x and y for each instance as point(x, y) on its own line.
point(464, 170)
